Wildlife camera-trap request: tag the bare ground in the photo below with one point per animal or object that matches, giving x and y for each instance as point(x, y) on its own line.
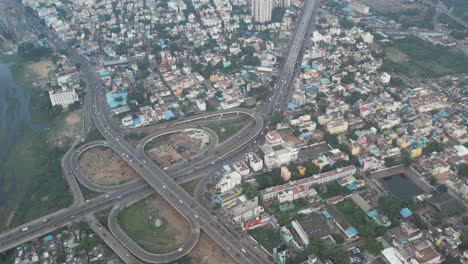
point(103, 166)
point(178, 225)
point(42, 68)
point(208, 252)
point(65, 129)
point(396, 55)
point(169, 149)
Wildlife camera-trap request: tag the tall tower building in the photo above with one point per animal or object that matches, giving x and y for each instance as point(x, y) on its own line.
point(262, 9)
point(283, 3)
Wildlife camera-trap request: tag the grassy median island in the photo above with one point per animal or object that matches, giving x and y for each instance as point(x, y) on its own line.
point(139, 222)
point(228, 129)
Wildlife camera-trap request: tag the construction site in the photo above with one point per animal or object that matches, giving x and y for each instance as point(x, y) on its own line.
point(176, 147)
point(103, 166)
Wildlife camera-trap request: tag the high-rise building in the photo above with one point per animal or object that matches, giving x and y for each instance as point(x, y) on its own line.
point(262, 9)
point(283, 3)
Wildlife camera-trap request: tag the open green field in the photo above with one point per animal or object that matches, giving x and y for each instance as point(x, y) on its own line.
point(227, 130)
point(31, 181)
point(266, 237)
point(135, 222)
point(424, 59)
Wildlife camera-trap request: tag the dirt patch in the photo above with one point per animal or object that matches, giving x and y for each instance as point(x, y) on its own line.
point(65, 129)
point(178, 225)
point(72, 119)
point(169, 149)
point(396, 55)
point(103, 166)
point(42, 68)
point(208, 252)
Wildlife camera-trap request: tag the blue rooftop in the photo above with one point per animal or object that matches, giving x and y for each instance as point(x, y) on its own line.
point(168, 114)
point(350, 232)
point(113, 103)
point(48, 238)
point(324, 80)
point(373, 213)
point(305, 135)
point(326, 214)
point(292, 106)
point(405, 212)
point(136, 122)
point(104, 74)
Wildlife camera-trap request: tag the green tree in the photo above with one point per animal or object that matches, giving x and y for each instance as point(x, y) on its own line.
point(433, 147)
point(311, 168)
point(87, 244)
point(338, 238)
point(56, 110)
point(61, 257)
point(250, 191)
point(464, 240)
point(372, 246)
point(390, 205)
point(463, 170)
point(318, 248)
point(340, 256)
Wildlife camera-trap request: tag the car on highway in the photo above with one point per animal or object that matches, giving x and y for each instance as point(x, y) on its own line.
point(24, 229)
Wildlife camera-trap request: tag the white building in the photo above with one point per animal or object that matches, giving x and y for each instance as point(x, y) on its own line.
point(255, 163)
point(64, 97)
point(242, 168)
point(273, 192)
point(385, 78)
point(283, 3)
point(127, 120)
point(201, 104)
point(276, 152)
point(303, 123)
point(262, 9)
point(228, 181)
point(359, 7)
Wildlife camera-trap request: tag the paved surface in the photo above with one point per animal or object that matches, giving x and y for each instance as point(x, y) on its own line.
point(158, 179)
point(110, 240)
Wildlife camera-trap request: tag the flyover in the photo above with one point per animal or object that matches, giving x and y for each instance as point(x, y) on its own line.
point(156, 177)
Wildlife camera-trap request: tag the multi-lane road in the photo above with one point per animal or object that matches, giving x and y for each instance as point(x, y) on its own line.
point(158, 179)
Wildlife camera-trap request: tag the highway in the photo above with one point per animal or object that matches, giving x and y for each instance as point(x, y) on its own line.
point(442, 9)
point(157, 178)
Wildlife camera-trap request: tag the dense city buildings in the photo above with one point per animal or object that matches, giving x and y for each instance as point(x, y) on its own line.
point(353, 152)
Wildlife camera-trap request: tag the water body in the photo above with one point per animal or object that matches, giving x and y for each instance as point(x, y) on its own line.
point(401, 186)
point(15, 118)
